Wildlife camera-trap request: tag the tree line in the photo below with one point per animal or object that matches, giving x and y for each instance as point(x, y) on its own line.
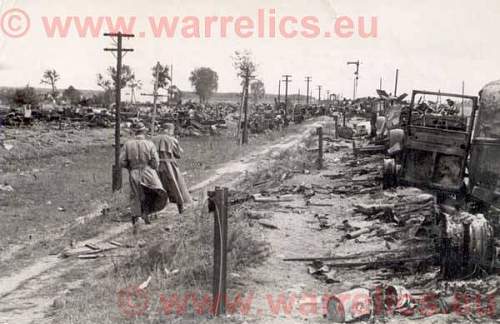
point(204, 81)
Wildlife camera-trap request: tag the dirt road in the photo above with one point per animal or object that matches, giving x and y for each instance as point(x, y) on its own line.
point(28, 293)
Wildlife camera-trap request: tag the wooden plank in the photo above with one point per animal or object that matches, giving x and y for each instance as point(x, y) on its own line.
point(260, 198)
point(85, 251)
point(92, 247)
point(115, 243)
point(89, 256)
point(268, 225)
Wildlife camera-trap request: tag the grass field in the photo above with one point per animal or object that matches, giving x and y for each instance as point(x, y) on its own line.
point(71, 179)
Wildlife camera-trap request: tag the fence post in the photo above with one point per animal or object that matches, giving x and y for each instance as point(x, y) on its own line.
point(319, 131)
point(336, 120)
point(219, 206)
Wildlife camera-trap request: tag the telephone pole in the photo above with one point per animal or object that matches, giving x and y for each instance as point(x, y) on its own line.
point(155, 96)
point(244, 135)
point(463, 93)
point(287, 80)
point(171, 93)
point(319, 93)
point(117, 171)
point(356, 77)
point(396, 83)
point(308, 80)
point(279, 92)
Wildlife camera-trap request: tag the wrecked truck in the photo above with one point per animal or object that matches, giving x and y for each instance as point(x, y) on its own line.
point(484, 165)
point(453, 156)
point(434, 152)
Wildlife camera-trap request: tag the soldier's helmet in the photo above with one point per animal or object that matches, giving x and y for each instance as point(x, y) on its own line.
point(138, 127)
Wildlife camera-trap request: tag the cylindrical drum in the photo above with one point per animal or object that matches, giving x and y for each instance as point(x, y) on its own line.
point(349, 306)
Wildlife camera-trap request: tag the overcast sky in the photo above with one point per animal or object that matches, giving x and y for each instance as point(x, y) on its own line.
point(435, 44)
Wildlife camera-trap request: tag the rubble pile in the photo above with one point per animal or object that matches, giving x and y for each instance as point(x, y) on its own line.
point(410, 241)
point(191, 119)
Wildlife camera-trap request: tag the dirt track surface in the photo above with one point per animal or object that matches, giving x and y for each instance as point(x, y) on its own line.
point(28, 294)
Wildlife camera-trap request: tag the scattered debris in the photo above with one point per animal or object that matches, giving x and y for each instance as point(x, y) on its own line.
point(145, 284)
point(6, 187)
point(349, 306)
point(89, 249)
point(256, 215)
point(264, 199)
point(268, 225)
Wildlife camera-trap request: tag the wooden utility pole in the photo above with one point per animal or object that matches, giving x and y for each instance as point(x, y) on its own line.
point(218, 204)
point(279, 92)
point(244, 139)
point(319, 93)
point(356, 77)
point(171, 93)
point(117, 170)
point(396, 83)
point(380, 85)
point(319, 131)
point(287, 80)
point(155, 96)
point(336, 121)
point(308, 80)
point(463, 93)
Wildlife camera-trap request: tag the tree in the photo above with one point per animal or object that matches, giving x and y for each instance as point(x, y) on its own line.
point(126, 77)
point(25, 96)
point(242, 62)
point(51, 77)
point(205, 82)
point(163, 75)
point(258, 91)
point(245, 68)
point(72, 95)
point(109, 84)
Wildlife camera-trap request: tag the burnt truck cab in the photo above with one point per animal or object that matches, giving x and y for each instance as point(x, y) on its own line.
point(437, 147)
point(484, 166)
